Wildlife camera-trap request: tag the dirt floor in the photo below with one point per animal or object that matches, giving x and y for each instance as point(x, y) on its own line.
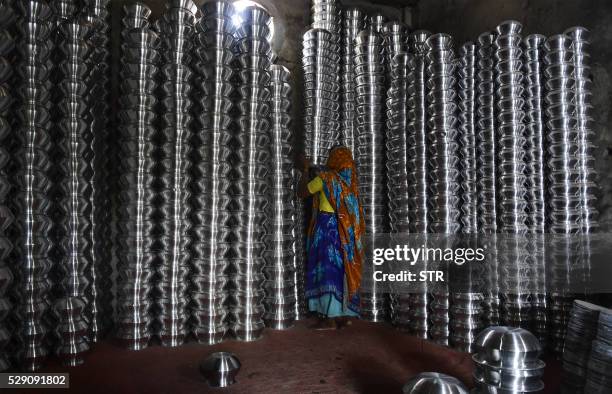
point(362, 358)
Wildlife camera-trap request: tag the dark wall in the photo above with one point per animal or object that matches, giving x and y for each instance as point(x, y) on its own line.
point(466, 19)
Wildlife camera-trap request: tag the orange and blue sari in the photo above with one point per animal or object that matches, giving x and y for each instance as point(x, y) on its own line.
point(335, 250)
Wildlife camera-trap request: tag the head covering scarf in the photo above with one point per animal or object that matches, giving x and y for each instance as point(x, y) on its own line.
point(342, 191)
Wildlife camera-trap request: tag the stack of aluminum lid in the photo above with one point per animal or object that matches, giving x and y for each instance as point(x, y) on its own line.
point(7, 17)
point(581, 331)
point(434, 383)
point(279, 271)
point(507, 360)
point(370, 93)
point(320, 59)
point(353, 23)
point(251, 167)
point(137, 198)
point(599, 375)
point(176, 28)
point(212, 111)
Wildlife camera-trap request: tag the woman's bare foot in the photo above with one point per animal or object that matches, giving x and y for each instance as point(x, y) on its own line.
point(325, 324)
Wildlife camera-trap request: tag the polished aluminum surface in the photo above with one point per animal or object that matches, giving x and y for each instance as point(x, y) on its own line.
point(32, 185)
point(176, 29)
point(443, 160)
point(212, 111)
point(377, 22)
point(252, 175)
point(280, 272)
point(600, 359)
point(73, 172)
point(370, 155)
point(434, 383)
point(138, 210)
point(320, 62)
point(220, 369)
point(353, 22)
point(6, 216)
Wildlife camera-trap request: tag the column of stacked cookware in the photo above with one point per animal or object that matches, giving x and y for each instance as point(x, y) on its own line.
point(370, 94)
point(99, 296)
point(418, 174)
point(377, 22)
point(507, 360)
point(536, 183)
point(563, 177)
point(136, 238)
point(31, 164)
point(512, 193)
point(212, 114)
point(487, 170)
point(466, 301)
point(252, 176)
point(299, 250)
point(581, 331)
point(7, 18)
point(73, 181)
point(353, 21)
point(176, 29)
point(599, 378)
point(321, 65)
point(279, 271)
point(395, 42)
point(442, 163)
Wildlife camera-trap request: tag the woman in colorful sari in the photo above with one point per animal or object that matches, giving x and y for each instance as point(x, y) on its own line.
point(335, 251)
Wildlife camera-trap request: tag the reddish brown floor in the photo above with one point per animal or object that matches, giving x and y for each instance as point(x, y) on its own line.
point(362, 358)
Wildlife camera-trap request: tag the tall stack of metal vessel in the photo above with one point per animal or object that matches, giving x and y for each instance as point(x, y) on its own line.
point(370, 94)
point(74, 182)
point(599, 379)
point(31, 185)
point(418, 178)
point(252, 159)
point(137, 235)
point(212, 96)
point(7, 18)
point(279, 271)
point(353, 22)
point(443, 160)
point(176, 29)
point(507, 360)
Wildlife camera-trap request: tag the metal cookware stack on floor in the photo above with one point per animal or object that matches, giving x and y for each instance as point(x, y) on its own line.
point(280, 271)
point(433, 382)
point(507, 360)
point(370, 94)
point(599, 378)
point(213, 118)
point(251, 169)
point(136, 236)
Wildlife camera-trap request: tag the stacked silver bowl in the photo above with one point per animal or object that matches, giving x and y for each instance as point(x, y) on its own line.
point(536, 177)
point(371, 155)
point(250, 187)
point(395, 38)
point(320, 59)
point(176, 28)
point(486, 166)
point(434, 382)
point(7, 18)
point(353, 22)
point(418, 203)
point(299, 251)
point(507, 361)
point(582, 329)
point(511, 196)
point(582, 90)
point(136, 223)
point(280, 270)
point(212, 108)
point(99, 295)
point(31, 183)
point(327, 15)
point(377, 22)
point(564, 212)
point(599, 378)
point(75, 185)
point(443, 160)
point(220, 369)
